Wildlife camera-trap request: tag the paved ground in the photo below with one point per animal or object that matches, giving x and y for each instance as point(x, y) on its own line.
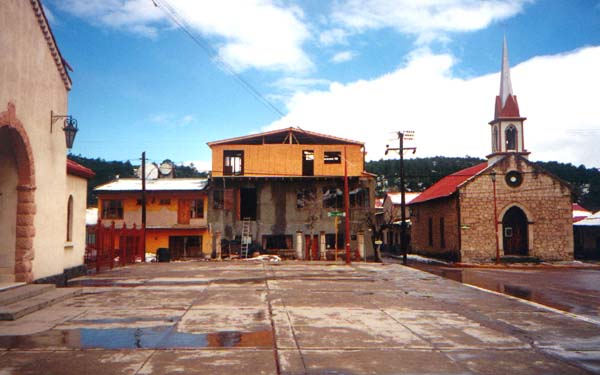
point(573, 288)
point(293, 318)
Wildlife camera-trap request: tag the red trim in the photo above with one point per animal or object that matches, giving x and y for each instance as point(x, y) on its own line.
point(79, 170)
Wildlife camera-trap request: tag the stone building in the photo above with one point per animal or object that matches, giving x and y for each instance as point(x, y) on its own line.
point(287, 185)
point(504, 207)
point(42, 196)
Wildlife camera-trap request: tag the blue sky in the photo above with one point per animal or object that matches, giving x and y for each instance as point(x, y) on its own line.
point(356, 69)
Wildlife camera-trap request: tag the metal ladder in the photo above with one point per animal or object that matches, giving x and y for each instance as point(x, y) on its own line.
point(245, 243)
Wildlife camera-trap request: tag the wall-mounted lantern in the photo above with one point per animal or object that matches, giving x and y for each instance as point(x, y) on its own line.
point(69, 127)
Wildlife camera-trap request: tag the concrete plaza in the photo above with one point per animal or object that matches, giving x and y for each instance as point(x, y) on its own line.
point(245, 317)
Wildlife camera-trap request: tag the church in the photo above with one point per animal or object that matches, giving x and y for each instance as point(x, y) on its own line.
point(505, 208)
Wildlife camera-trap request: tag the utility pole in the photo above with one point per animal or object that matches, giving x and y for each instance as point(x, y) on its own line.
point(144, 204)
point(346, 206)
point(409, 135)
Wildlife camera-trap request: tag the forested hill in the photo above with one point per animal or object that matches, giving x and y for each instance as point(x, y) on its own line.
point(107, 171)
point(423, 172)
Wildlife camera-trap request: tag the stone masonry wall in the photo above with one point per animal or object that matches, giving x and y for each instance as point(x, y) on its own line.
point(544, 199)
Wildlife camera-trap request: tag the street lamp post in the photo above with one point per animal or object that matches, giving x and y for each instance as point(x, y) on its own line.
point(409, 135)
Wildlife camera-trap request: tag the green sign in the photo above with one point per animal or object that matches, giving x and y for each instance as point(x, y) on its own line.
point(336, 213)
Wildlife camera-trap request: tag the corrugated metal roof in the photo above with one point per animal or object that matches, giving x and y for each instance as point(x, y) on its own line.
point(590, 221)
point(448, 185)
point(167, 184)
point(396, 197)
point(299, 136)
point(580, 213)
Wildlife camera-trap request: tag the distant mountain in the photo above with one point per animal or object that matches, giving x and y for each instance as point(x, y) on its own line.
point(421, 173)
point(107, 171)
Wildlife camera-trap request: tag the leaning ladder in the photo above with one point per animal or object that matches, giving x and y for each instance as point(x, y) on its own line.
point(245, 237)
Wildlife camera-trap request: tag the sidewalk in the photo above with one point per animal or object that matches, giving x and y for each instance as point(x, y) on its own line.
point(293, 318)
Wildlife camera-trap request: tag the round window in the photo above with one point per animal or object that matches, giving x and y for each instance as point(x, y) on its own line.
point(514, 178)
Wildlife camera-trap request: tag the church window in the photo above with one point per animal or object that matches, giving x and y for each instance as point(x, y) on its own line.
point(511, 137)
point(513, 178)
point(495, 139)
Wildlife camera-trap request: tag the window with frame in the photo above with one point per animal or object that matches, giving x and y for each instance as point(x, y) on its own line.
point(112, 209)
point(359, 198)
point(197, 208)
point(305, 197)
point(442, 234)
point(233, 162)
point(430, 231)
point(332, 157)
point(70, 219)
point(333, 198)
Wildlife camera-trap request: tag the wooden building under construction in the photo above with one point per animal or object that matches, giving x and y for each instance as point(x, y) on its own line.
point(282, 192)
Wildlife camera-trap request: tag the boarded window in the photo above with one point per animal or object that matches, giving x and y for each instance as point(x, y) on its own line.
point(112, 209)
point(233, 162)
point(223, 199)
point(332, 157)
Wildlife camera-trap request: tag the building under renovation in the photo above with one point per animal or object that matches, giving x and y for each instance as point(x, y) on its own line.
point(283, 192)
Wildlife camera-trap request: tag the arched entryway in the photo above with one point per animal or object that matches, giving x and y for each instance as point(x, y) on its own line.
point(17, 200)
point(515, 238)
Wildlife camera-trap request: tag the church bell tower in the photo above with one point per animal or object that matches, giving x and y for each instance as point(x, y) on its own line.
point(507, 125)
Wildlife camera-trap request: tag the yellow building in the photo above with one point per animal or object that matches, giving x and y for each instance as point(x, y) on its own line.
point(176, 212)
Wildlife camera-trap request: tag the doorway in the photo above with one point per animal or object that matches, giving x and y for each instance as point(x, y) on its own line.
point(515, 236)
point(248, 203)
point(308, 163)
point(182, 247)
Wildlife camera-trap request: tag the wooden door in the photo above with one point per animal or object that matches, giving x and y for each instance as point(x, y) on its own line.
point(514, 232)
point(312, 247)
point(183, 212)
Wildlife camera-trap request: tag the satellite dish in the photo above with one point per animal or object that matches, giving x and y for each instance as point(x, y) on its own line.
point(166, 168)
point(151, 171)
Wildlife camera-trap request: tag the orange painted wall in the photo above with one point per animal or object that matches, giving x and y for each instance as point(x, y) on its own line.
point(286, 159)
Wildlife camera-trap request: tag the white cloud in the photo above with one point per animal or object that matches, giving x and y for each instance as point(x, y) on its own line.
point(299, 84)
point(450, 115)
point(343, 56)
point(171, 120)
point(248, 34)
point(49, 16)
point(427, 20)
point(334, 36)
point(200, 165)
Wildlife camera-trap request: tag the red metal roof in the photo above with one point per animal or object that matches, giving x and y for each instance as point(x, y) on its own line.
point(510, 109)
point(448, 185)
point(77, 169)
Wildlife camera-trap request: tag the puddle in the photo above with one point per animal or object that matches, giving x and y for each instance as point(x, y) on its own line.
point(496, 281)
point(163, 337)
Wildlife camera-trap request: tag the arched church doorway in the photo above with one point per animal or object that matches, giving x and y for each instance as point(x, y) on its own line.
point(514, 232)
point(17, 200)
point(8, 206)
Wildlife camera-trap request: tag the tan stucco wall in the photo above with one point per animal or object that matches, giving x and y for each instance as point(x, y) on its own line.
point(543, 198)
point(29, 78)
point(75, 249)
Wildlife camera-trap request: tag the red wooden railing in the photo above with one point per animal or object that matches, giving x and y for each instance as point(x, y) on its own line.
point(107, 246)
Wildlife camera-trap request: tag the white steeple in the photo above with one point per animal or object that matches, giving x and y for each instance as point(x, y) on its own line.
point(505, 84)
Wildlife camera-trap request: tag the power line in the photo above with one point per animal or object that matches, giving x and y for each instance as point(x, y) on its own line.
point(185, 27)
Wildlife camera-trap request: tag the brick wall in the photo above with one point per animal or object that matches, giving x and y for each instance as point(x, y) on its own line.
point(435, 210)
